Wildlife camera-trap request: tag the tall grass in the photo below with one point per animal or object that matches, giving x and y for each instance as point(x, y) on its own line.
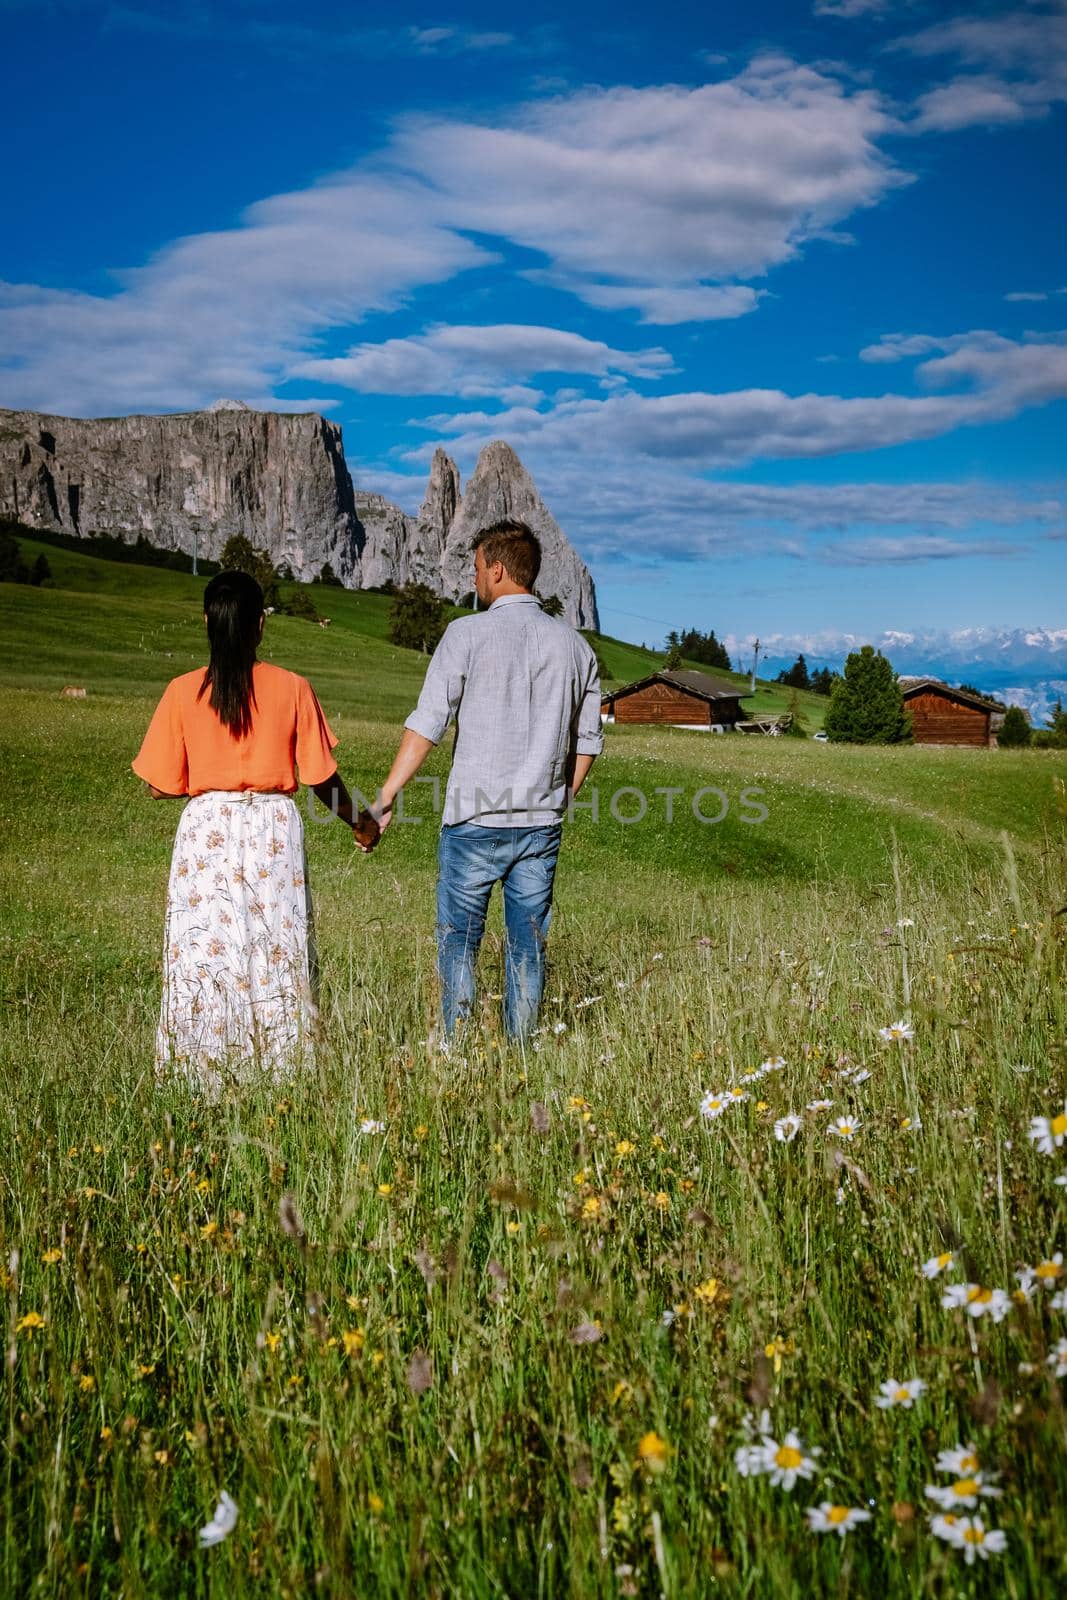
point(431, 1371)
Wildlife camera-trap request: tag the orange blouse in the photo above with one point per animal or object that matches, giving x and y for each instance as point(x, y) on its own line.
point(187, 750)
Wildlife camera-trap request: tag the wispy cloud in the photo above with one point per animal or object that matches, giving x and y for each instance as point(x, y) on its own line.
point(661, 199)
point(1017, 61)
point(467, 361)
point(306, 38)
point(996, 378)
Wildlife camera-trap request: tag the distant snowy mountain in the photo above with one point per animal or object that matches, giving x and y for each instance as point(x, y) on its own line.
point(1022, 666)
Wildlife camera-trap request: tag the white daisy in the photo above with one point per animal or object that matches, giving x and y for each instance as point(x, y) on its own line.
point(963, 1492)
point(844, 1127)
point(828, 1518)
point(787, 1128)
point(905, 922)
point(1061, 1181)
point(783, 1463)
point(750, 1077)
point(975, 1539)
point(1048, 1133)
point(819, 1105)
point(946, 1526)
point(1059, 1300)
point(735, 1095)
point(961, 1460)
point(371, 1125)
point(713, 1104)
point(938, 1264)
point(892, 1394)
point(976, 1301)
point(1026, 1279)
point(910, 1125)
point(786, 1462)
point(898, 1031)
point(1057, 1359)
point(772, 1064)
point(1049, 1272)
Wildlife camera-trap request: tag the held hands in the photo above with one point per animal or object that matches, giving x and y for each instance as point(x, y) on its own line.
point(366, 831)
point(369, 826)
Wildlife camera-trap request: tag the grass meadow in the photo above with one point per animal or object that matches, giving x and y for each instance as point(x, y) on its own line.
point(549, 1330)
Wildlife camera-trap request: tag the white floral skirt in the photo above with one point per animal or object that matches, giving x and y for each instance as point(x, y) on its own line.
point(238, 951)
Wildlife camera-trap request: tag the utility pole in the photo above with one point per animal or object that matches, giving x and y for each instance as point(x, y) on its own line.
point(755, 659)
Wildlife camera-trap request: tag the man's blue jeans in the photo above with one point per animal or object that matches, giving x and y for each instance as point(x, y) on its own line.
point(471, 859)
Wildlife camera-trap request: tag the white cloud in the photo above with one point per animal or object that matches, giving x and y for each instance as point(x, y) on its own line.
point(882, 552)
point(661, 198)
point(228, 312)
point(466, 361)
point(1018, 61)
point(1000, 379)
point(851, 8)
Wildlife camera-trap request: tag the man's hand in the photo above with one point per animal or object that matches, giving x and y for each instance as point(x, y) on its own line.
point(366, 831)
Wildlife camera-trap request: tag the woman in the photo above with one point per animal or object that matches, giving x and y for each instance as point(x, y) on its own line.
point(238, 960)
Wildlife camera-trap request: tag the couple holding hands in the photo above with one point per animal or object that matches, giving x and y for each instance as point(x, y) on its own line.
point(521, 688)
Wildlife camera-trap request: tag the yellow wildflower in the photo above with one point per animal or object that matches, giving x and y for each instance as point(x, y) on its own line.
point(50, 1257)
point(353, 1339)
point(29, 1324)
point(653, 1452)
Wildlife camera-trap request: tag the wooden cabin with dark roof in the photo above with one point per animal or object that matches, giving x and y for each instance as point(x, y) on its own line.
point(675, 699)
point(941, 714)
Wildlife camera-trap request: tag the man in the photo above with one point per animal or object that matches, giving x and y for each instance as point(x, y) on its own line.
point(523, 691)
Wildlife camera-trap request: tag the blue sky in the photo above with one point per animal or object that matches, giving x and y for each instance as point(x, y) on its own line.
point(770, 299)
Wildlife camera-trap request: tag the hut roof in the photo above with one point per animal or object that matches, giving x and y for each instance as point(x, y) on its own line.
point(698, 684)
point(910, 686)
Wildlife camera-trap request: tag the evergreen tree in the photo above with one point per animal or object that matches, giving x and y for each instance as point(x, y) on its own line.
point(12, 567)
point(300, 604)
point(41, 571)
point(417, 618)
point(866, 706)
point(1015, 731)
point(552, 606)
point(239, 554)
point(328, 577)
point(822, 680)
point(798, 728)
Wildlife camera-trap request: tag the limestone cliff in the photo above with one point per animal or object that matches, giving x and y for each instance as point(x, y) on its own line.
point(282, 481)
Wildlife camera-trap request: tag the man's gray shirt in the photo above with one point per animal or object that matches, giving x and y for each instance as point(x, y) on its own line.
point(523, 690)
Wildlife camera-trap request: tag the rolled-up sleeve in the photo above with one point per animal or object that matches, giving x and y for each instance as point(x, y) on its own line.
point(442, 688)
point(589, 732)
point(163, 760)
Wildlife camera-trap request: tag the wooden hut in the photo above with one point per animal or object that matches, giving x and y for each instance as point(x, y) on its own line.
point(943, 715)
point(675, 699)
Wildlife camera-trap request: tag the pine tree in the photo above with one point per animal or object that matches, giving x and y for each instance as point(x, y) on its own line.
point(866, 706)
point(552, 606)
point(417, 618)
point(1015, 731)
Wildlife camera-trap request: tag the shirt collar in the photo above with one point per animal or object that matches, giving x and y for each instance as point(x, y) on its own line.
point(514, 599)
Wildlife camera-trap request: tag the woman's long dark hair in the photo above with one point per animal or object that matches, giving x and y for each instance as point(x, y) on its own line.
point(233, 605)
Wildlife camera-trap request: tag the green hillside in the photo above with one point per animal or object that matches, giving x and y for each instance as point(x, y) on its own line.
point(494, 1322)
point(149, 616)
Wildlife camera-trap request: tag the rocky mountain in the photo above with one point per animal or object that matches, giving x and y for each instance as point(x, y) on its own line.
point(501, 487)
point(282, 481)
